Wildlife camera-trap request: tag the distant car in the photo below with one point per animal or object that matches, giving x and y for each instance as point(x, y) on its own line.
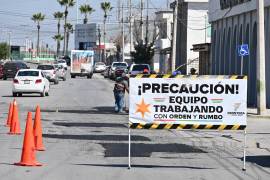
point(113, 67)
point(30, 81)
point(139, 69)
point(11, 68)
point(106, 72)
point(61, 72)
point(63, 63)
point(99, 67)
point(1, 69)
point(50, 72)
point(67, 59)
point(119, 71)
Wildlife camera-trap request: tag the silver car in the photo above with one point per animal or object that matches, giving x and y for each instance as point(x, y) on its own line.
point(61, 71)
point(50, 72)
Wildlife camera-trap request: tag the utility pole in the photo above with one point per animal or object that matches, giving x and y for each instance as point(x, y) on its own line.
point(99, 43)
point(104, 40)
point(123, 33)
point(175, 21)
point(147, 20)
point(9, 44)
point(130, 30)
point(261, 89)
point(141, 22)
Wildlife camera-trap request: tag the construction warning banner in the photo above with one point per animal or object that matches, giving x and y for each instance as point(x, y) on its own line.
point(188, 102)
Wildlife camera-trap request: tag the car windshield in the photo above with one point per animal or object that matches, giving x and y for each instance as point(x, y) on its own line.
point(119, 64)
point(100, 64)
point(29, 73)
point(61, 61)
point(45, 67)
point(140, 67)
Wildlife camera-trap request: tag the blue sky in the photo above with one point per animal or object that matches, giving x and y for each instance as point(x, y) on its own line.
point(15, 17)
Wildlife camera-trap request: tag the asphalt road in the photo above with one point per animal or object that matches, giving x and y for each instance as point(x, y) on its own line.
point(85, 139)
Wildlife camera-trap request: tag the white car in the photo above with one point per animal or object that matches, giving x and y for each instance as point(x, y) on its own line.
point(29, 81)
point(62, 62)
point(50, 72)
point(139, 69)
point(100, 67)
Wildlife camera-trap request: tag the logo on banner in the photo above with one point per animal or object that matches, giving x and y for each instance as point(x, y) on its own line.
point(143, 108)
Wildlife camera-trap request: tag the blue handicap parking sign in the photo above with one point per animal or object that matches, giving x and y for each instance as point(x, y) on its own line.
point(243, 50)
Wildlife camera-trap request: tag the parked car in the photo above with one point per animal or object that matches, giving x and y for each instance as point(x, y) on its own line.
point(11, 68)
point(99, 67)
point(106, 72)
point(62, 62)
point(28, 81)
point(113, 67)
point(61, 72)
point(1, 69)
point(50, 72)
point(67, 59)
point(119, 71)
point(139, 69)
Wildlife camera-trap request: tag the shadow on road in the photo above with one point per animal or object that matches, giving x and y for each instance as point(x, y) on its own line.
point(141, 166)
point(146, 150)
point(95, 110)
point(96, 137)
point(75, 124)
point(263, 161)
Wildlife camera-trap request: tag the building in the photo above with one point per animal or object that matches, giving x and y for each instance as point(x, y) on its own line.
point(192, 28)
point(164, 21)
point(235, 23)
point(85, 36)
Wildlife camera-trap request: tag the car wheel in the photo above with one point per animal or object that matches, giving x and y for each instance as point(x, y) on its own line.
point(4, 78)
point(89, 76)
point(72, 76)
point(20, 94)
point(64, 78)
point(43, 93)
point(56, 81)
point(14, 94)
point(47, 93)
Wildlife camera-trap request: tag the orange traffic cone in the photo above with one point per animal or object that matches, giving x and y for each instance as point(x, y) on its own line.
point(28, 157)
point(38, 131)
point(15, 122)
point(9, 115)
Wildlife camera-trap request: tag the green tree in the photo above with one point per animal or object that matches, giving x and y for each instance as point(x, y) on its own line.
point(144, 53)
point(59, 16)
point(86, 9)
point(58, 38)
point(37, 18)
point(106, 7)
point(4, 51)
point(67, 4)
point(69, 28)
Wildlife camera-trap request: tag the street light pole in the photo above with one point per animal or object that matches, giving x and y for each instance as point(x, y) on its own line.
point(261, 89)
point(123, 33)
point(175, 20)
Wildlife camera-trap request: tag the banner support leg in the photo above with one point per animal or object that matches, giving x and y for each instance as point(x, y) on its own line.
point(129, 148)
point(244, 154)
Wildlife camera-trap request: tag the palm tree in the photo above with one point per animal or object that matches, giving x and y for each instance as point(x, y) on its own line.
point(37, 18)
point(58, 38)
point(106, 7)
point(69, 28)
point(86, 9)
point(66, 4)
point(59, 16)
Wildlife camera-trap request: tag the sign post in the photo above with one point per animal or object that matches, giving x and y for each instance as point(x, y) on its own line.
point(243, 50)
point(188, 102)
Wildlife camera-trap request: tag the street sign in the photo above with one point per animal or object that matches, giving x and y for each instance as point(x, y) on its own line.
point(243, 50)
point(205, 102)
